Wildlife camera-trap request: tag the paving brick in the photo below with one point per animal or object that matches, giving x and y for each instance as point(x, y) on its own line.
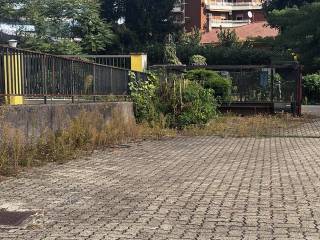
point(182, 188)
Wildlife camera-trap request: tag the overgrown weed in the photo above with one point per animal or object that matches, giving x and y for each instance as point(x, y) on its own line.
point(89, 131)
point(86, 133)
point(248, 126)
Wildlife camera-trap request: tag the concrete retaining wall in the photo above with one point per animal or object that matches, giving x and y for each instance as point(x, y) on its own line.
point(32, 120)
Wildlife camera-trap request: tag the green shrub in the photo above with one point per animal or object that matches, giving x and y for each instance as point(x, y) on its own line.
point(170, 55)
point(197, 107)
point(143, 94)
point(198, 60)
point(311, 88)
point(175, 102)
point(212, 80)
point(219, 55)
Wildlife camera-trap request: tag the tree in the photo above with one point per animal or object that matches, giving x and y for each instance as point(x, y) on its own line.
point(270, 5)
point(228, 38)
point(299, 32)
point(8, 10)
point(192, 38)
point(113, 10)
point(65, 26)
point(148, 20)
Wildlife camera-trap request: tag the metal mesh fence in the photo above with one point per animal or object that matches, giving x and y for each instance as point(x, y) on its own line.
point(276, 87)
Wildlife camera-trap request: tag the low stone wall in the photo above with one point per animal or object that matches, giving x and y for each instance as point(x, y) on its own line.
point(32, 120)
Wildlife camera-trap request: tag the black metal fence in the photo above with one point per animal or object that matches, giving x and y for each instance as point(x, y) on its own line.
point(276, 87)
point(121, 61)
point(32, 74)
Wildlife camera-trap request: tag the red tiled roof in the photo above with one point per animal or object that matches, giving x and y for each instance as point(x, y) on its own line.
point(253, 30)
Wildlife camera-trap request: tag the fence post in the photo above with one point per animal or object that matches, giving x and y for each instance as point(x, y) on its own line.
point(299, 91)
point(13, 77)
point(94, 83)
point(139, 62)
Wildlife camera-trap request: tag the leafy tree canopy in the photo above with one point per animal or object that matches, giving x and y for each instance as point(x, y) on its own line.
point(299, 32)
point(270, 5)
point(146, 21)
point(228, 38)
point(8, 10)
point(59, 23)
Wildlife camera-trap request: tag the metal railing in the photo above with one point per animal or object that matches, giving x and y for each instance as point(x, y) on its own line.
point(214, 23)
point(32, 74)
point(279, 85)
point(242, 3)
point(121, 61)
point(233, 6)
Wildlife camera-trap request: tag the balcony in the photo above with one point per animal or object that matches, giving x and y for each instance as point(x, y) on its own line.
point(233, 6)
point(178, 8)
point(214, 23)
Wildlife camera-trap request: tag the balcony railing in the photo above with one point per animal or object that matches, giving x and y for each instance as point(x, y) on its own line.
point(233, 6)
point(216, 23)
point(178, 8)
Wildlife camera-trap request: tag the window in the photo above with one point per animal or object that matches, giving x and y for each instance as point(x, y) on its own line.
point(239, 17)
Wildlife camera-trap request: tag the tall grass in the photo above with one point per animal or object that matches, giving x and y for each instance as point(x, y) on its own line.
point(85, 133)
point(248, 126)
point(90, 131)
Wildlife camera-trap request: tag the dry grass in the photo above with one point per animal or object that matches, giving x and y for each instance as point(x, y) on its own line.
point(90, 131)
point(248, 126)
point(87, 132)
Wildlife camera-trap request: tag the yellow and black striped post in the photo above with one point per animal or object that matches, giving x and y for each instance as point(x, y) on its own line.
point(12, 74)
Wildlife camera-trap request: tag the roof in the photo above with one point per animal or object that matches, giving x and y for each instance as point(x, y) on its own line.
point(252, 30)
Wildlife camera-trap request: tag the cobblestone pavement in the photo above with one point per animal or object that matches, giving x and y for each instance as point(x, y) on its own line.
point(184, 188)
point(309, 129)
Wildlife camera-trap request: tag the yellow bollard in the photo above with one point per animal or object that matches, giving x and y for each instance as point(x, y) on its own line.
point(139, 62)
point(13, 79)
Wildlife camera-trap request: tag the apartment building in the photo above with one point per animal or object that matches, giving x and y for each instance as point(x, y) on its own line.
point(179, 12)
point(211, 14)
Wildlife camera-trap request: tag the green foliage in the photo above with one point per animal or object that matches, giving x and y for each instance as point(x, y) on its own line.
point(65, 46)
point(217, 55)
point(225, 55)
point(198, 105)
point(7, 10)
point(59, 23)
point(312, 82)
point(227, 37)
point(311, 88)
point(281, 4)
point(95, 33)
point(143, 94)
point(177, 101)
point(170, 55)
point(192, 38)
point(149, 20)
point(228, 52)
point(220, 85)
point(299, 32)
point(198, 60)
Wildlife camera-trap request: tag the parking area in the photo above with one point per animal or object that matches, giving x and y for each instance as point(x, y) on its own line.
point(182, 188)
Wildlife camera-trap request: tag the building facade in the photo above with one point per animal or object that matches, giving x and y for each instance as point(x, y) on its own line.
point(179, 12)
point(211, 14)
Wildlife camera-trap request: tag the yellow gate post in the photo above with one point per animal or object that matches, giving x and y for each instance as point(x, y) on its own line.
point(13, 78)
point(139, 62)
